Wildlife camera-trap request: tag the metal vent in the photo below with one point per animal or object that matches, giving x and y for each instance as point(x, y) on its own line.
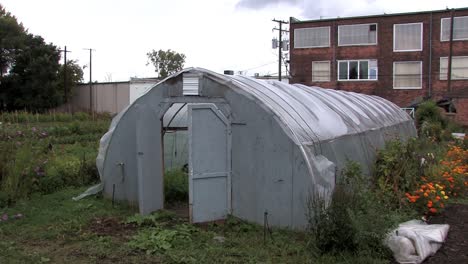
point(191, 84)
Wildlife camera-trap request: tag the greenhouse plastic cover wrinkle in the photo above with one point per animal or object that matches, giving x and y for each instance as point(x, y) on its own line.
point(414, 241)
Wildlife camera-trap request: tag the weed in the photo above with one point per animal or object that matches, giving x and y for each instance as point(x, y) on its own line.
point(152, 219)
point(157, 240)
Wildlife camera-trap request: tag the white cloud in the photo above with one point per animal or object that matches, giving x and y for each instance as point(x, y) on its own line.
point(264, 3)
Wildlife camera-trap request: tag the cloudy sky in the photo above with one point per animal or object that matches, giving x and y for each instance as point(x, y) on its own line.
point(213, 34)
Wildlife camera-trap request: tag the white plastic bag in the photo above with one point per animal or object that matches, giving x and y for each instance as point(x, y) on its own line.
point(414, 241)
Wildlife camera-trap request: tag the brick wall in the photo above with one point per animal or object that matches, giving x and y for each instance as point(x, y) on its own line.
point(301, 59)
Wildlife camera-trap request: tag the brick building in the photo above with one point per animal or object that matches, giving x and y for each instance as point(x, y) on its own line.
point(402, 57)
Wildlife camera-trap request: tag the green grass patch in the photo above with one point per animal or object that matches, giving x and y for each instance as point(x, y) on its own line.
point(43, 156)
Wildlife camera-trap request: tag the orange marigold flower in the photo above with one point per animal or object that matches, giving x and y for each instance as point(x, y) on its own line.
point(437, 198)
point(433, 210)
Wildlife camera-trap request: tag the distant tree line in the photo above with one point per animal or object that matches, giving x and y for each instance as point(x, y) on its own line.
point(31, 76)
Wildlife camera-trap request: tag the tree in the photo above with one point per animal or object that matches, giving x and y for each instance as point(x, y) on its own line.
point(74, 76)
point(12, 36)
point(166, 62)
point(31, 75)
point(32, 81)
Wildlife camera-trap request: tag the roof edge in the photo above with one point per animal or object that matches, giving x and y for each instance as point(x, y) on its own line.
point(293, 20)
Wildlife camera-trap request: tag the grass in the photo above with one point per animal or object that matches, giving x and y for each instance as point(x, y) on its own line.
point(55, 229)
point(47, 156)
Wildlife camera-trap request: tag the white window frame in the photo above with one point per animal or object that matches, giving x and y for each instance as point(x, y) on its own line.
point(329, 71)
point(446, 76)
point(441, 30)
point(357, 80)
point(402, 24)
point(363, 44)
point(407, 88)
point(312, 47)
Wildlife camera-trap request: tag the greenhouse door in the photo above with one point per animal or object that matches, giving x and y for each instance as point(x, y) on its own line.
point(209, 163)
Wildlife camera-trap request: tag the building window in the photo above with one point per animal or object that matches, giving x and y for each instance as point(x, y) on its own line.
point(407, 37)
point(363, 34)
point(460, 28)
point(349, 70)
point(407, 75)
point(312, 37)
point(459, 68)
point(321, 71)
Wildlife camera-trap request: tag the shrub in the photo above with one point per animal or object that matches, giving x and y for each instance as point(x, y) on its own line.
point(396, 170)
point(175, 186)
point(355, 219)
point(428, 111)
point(67, 171)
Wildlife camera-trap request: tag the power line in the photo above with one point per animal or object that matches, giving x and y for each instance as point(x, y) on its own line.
point(256, 67)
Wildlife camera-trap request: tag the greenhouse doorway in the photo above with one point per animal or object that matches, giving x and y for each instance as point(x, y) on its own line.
point(175, 153)
point(197, 162)
point(209, 163)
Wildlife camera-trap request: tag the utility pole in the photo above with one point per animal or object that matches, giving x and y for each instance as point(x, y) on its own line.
point(91, 105)
point(65, 88)
point(280, 44)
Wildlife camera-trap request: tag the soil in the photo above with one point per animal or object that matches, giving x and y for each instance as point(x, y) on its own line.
point(455, 248)
point(110, 226)
point(181, 209)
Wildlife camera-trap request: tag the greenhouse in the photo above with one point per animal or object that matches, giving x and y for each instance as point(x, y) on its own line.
point(254, 148)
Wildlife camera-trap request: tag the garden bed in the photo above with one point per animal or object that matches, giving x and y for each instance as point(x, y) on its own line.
point(455, 248)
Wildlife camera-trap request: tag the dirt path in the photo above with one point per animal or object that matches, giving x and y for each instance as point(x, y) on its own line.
point(455, 248)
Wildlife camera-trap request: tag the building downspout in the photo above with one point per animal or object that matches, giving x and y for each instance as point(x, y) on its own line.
point(449, 69)
point(334, 64)
point(429, 81)
point(449, 77)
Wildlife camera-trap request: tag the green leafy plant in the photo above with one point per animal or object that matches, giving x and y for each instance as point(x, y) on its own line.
point(351, 219)
point(153, 219)
point(157, 240)
point(428, 111)
point(176, 186)
point(397, 170)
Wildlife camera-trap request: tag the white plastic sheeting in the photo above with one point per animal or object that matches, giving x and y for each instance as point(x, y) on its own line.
point(413, 241)
point(103, 145)
point(315, 114)
point(308, 132)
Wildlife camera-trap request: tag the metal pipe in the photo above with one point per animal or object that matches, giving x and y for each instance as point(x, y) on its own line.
point(449, 73)
point(429, 85)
